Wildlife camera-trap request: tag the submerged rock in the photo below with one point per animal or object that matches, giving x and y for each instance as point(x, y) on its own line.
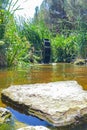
point(6, 122)
point(5, 115)
point(61, 103)
point(80, 62)
point(34, 128)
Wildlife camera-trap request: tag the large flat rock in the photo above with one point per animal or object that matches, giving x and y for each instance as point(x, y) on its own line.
point(60, 103)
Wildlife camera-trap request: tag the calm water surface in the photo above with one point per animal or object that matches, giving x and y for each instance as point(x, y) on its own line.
point(42, 74)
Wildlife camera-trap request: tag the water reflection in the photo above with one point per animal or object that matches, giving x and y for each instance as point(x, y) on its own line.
point(34, 121)
point(43, 73)
point(29, 120)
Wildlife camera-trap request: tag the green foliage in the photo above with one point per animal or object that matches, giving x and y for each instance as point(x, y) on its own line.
point(32, 36)
point(17, 48)
point(56, 44)
point(66, 19)
point(43, 30)
point(64, 49)
point(7, 127)
point(81, 44)
point(63, 22)
point(2, 23)
point(35, 32)
point(7, 7)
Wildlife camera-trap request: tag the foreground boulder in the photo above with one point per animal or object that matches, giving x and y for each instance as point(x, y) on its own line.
point(59, 103)
point(34, 128)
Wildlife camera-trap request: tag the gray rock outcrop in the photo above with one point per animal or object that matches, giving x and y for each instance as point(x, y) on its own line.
point(59, 103)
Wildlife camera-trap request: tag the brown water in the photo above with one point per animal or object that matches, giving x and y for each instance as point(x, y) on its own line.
point(43, 73)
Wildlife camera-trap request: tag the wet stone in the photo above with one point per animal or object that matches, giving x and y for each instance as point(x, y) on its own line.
point(5, 115)
point(61, 103)
point(34, 128)
point(6, 121)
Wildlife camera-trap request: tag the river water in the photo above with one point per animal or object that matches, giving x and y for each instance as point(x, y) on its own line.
point(41, 74)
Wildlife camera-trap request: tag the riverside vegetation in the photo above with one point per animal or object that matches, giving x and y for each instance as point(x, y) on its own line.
point(64, 22)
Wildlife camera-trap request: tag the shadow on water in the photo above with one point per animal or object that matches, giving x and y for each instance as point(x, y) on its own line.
point(28, 119)
point(34, 121)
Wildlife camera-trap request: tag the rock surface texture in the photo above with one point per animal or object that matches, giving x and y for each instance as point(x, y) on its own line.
point(61, 103)
point(34, 128)
point(5, 115)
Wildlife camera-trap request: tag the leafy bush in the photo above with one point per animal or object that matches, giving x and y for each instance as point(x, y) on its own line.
point(17, 48)
point(64, 49)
